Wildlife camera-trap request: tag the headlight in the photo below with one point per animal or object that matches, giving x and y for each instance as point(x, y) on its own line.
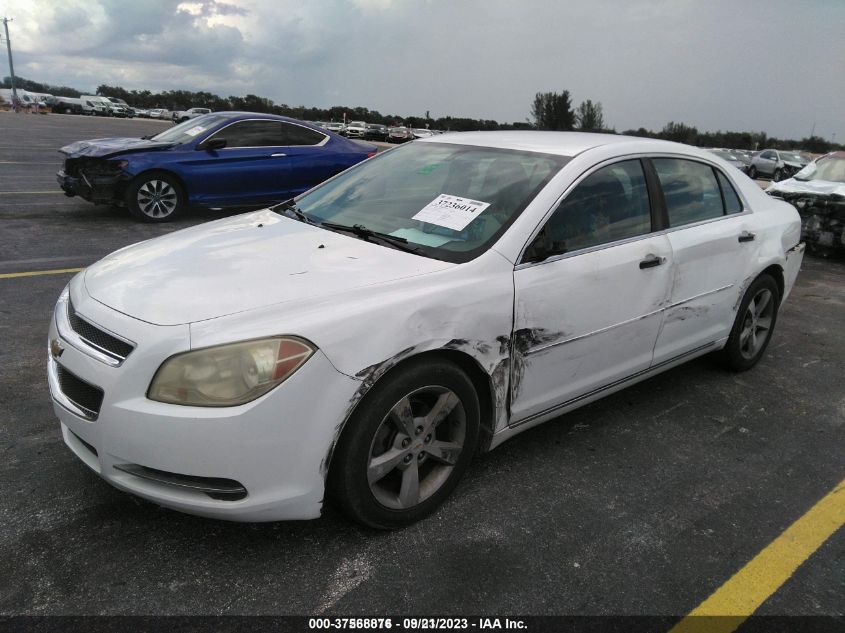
point(228, 375)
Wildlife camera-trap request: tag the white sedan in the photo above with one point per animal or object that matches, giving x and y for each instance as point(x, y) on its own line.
point(361, 342)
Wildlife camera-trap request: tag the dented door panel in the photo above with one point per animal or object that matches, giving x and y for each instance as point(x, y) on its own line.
point(585, 321)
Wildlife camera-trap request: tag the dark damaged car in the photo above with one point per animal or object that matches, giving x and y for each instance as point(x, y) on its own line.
point(818, 192)
point(223, 159)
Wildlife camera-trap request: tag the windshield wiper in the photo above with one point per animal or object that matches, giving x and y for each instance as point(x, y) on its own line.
point(289, 208)
point(359, 230)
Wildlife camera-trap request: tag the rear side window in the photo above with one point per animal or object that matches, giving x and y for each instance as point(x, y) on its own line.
point(299, 135)
point(732, 202)
point(691, 191)
point(608, 205)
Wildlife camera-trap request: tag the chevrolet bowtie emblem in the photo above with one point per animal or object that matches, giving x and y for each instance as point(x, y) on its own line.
point(56, 348)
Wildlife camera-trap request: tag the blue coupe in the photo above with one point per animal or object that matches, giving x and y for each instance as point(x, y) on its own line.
point(222, 159)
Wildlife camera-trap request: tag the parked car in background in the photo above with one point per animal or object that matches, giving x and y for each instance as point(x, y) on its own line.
point(191, 113)
point(69, 105)
point(356, 129)
point(159, 113)
point(97, 108)
point(141, 113)
point(360, 343)
point(420, 132)
point(337, 128)
point(376, 132)
point(776, 164)
point(223, 159)
point(399, 134)
point(121, 106)
point(818, 192)
point(734, 159)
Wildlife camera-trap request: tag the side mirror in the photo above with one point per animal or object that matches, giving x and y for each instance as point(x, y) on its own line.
point(214, 144)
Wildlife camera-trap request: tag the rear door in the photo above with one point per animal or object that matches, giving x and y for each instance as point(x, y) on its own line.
point(712, 246)
point(589, 293)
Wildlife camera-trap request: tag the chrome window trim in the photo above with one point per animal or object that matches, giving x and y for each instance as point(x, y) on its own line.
point(320, 144)
point(618, 159)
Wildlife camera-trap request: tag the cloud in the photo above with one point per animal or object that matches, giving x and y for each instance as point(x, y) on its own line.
point(721, 64)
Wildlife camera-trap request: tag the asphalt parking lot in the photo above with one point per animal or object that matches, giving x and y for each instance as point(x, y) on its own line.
point(643, 503)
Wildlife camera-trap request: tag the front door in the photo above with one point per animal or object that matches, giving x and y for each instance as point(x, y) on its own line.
point(589, 306)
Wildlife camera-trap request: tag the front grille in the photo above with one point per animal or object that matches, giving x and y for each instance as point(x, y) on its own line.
point(87, 397)
point(94, 336)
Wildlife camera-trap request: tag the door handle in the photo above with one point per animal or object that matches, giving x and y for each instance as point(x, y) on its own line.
point(651, 261)
point(746, 236)
point(277, 155)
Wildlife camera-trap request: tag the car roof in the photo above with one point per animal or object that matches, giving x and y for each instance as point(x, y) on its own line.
point(560, 143)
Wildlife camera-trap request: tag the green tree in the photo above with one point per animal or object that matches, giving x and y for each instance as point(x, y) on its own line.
point(679, 132)
point(553, 111)
point(590, 116)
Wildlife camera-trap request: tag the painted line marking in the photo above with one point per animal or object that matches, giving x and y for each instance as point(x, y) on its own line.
point(728, 607)
point(20, 193)
point(35, 273)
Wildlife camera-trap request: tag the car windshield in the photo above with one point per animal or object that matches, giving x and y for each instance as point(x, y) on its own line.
point(831, 168)
point(190, 129)
point(791, 157)
point(451, 202)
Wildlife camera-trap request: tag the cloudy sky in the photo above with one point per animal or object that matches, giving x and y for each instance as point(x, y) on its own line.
point(771, 65)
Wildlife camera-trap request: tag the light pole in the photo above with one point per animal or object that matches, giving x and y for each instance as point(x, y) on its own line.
point(11, 64)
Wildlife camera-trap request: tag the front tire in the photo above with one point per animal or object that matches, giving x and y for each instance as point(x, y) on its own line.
point(752, 172)
point(754, 324)
point(778, 175)
point(406, 446)
point(155, 197)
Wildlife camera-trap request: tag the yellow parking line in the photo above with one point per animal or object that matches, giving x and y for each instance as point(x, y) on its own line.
point(742, 595)
point(34, 273)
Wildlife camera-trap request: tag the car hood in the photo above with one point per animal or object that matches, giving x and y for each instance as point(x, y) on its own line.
point(104, 147)
point(814, 187)
point(242, 263)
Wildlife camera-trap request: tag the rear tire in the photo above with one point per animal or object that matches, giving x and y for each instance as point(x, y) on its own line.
point(406, 446)
point(155, 197)
point(754, 324)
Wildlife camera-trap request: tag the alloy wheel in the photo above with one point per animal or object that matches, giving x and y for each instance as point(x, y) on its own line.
point(416, 447)
point(157, 198)
point(756, 324)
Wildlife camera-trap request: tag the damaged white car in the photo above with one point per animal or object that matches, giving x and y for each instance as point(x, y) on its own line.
point(818, 192)
point(361, 342)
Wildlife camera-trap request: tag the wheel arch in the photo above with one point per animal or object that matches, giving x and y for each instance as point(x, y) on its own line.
point(776, 272)
point(481, 380)
point(167, 172)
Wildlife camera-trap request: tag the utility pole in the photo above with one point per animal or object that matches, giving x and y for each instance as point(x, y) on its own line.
point(11, 65)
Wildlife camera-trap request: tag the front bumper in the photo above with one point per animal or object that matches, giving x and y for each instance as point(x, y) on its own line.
point(275, 448)
point(98, 189)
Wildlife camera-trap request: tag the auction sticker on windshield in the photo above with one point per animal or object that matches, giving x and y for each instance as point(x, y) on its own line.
point(451, 212)
point(195, 130)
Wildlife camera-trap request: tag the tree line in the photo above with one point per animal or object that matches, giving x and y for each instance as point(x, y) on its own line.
point(550, 111)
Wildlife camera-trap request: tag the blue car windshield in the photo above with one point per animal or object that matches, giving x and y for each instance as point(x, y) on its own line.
point(450, 202)
point(190, 129)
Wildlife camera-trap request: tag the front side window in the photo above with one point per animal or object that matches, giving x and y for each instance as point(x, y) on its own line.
point(450, 202)
point(610, 204)
point(690, 190)
point(252, 134)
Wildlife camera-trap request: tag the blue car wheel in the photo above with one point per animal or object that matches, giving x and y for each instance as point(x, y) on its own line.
point(155, 197)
